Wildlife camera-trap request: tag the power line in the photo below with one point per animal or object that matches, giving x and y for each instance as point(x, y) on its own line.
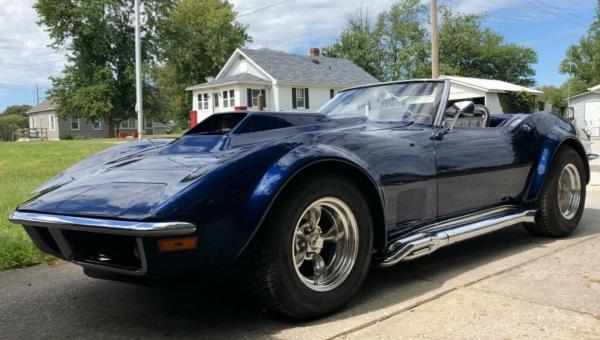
point(263, 8)
point(563, 10)
point(556, 15)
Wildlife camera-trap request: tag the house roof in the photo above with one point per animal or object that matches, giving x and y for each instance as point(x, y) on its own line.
point(490, 85)
point(46, 105)
point(584, 94)
point(595, 88)
point(238, 78)
point(305, 69)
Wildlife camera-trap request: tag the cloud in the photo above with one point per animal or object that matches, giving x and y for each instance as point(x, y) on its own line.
point(25, 59)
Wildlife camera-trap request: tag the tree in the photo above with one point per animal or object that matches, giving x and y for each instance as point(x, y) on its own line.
point(99, 81)
point(397, 47)
point(9, 124)
point(554, 95)
point(467, 49)
point(359, 42)
point(404, 40)
point(197, 38)
point(16, 110)
point(582, 58)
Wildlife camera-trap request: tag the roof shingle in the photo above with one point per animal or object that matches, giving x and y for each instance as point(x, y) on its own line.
point(304, 69)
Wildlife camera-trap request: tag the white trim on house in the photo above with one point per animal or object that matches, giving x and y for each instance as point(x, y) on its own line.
point(51, 123)
point(232, 60)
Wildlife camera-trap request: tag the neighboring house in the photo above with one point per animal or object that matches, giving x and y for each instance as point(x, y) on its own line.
point(286, 82)
point(586, 110)
point(486, 92)
point(43, 117)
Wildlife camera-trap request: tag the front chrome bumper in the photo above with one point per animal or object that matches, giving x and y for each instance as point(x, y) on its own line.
point(103, 226)
point(101, 244)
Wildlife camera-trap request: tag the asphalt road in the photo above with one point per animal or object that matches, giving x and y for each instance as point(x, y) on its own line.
point(505, 285)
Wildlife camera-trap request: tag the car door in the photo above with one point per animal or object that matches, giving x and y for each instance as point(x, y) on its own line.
point(480, 167)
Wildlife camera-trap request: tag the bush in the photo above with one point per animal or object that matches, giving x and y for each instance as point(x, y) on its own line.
point(517, 102)
point(9, 124)
point(66, 137)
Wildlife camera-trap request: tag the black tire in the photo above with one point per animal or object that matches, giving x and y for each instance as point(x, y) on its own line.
point(549, 221)
point(270, 263)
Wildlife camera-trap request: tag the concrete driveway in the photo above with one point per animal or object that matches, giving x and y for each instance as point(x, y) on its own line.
point(505, 285)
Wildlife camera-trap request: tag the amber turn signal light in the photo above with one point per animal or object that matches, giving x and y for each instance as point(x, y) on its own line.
point(177, 244)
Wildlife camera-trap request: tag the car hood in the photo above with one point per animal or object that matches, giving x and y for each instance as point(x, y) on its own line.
point(134, 180)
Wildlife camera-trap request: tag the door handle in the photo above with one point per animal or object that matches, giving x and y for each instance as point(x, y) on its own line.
point(439, 134)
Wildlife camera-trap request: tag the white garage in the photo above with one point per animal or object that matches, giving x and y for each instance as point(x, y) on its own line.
point(487, 91)
point(586, 107)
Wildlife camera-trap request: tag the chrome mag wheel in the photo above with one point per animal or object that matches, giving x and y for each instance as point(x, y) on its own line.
point(569, 191)
point(325, 244)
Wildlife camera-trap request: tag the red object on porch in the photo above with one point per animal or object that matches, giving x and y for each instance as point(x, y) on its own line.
point(193, 118)
point(122, 135)
point(136, 134)
point(240, 108)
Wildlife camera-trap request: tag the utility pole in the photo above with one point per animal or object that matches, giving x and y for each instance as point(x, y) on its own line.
point(435, 44)
point(138, 72)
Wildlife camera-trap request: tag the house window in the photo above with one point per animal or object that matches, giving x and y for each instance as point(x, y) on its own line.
point(203, 101)
point(32, 122)
point(128, 124)
point(216, 99)
point(225, 99)
point(231, 98)
point(299, 98)
point(149, 123)
point(51, 123)
point(254, 98)
point(74, 123)
point(97, 125)
point(331, 93)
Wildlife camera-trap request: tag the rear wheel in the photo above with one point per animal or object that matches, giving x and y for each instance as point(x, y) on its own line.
point(314, 249)
point(562, 197)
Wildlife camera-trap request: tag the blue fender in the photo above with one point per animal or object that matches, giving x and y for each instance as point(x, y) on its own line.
point(550, 144)
point(285, 169)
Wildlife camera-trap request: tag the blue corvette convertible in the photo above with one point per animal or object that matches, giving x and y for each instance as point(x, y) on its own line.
point(307, 202)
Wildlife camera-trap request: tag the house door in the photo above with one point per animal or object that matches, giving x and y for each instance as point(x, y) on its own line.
point(592, 117)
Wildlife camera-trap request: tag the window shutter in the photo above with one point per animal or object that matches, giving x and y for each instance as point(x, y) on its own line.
point(264, 97)
point(306, 99)
point(294, 105)
point(249, 92)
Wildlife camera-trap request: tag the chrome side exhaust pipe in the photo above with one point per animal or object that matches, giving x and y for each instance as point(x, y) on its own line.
point(425, 243)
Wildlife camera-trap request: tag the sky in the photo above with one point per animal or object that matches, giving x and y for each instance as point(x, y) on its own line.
point(548, 26)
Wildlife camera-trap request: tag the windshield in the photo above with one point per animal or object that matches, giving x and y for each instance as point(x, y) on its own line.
point(415, 102)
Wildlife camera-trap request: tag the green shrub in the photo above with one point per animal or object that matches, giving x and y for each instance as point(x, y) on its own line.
point(9, 124)
point(66, 136)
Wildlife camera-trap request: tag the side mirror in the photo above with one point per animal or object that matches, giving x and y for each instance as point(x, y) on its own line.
point(569, 113)
point(458, 108)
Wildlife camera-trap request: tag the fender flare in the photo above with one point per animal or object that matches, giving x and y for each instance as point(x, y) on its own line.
point(549, 149)
point(286, 169)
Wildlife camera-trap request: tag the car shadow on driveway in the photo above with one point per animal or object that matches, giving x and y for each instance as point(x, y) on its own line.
point(69, 305)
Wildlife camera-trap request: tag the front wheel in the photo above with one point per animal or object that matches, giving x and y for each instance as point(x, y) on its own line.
point(314, 249)
point(562, 197)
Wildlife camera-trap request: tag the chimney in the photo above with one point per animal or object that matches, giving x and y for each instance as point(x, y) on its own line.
point(314, 52)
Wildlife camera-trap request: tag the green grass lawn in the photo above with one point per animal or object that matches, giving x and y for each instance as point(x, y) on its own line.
point(23, 167)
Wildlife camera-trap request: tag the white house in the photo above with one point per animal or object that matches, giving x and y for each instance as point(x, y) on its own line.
point(487, 91)
point(586, 110)
point(286, 82)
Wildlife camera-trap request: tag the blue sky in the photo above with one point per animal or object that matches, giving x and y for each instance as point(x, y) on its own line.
point(548, 26)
